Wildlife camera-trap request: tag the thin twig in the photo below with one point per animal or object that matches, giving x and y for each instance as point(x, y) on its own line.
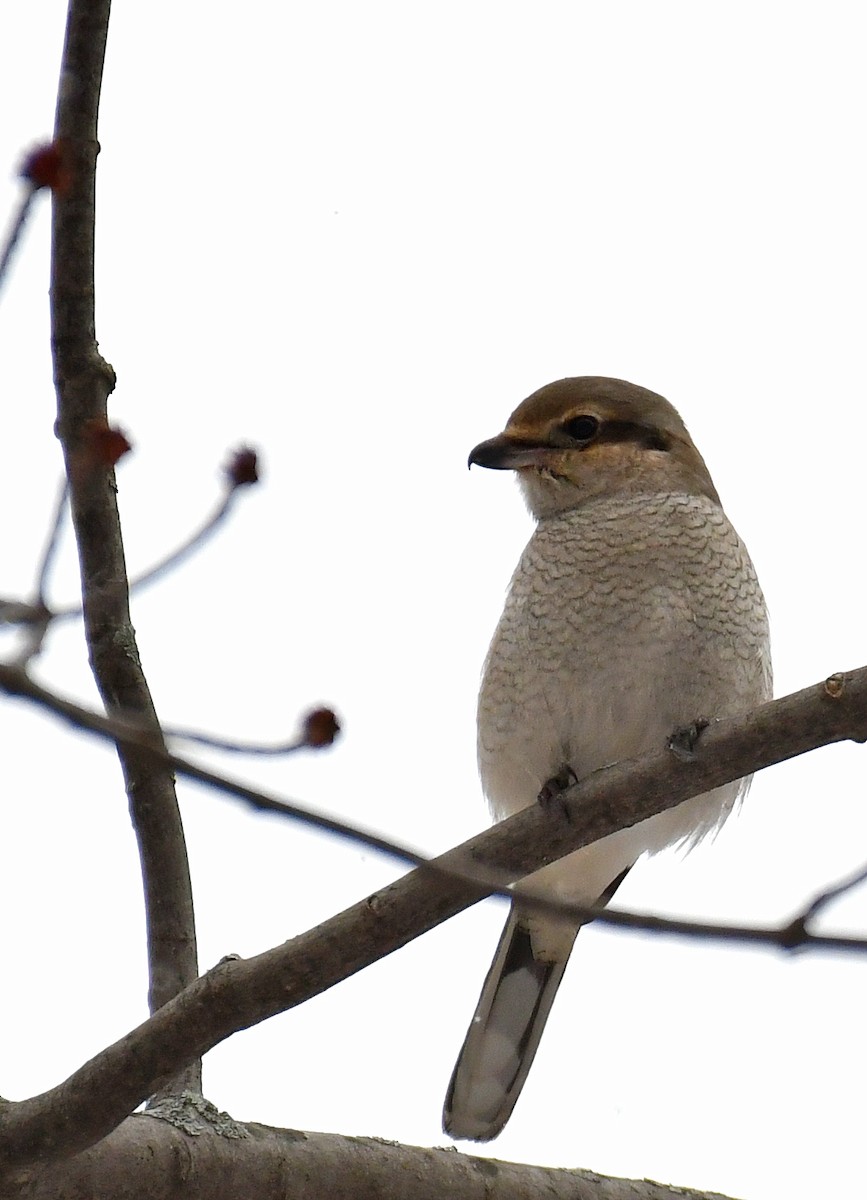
point(173, 559)
point(255, 749)
point(50, 548)
point(18, 612)
point(22, 612)
point(832, 893)
point(35, 618)
point(16, 228)
point(37, 611)
point(194, 542)
point(15, 682)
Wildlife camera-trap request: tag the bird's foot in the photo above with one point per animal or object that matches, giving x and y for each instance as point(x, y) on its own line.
point(556, 786)
point(683, 742)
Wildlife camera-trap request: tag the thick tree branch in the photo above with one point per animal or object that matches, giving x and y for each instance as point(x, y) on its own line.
point(240, 993)
point(147, 1159)
point(84, 381)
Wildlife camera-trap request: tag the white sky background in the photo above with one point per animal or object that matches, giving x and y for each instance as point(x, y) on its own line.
point(356, 236)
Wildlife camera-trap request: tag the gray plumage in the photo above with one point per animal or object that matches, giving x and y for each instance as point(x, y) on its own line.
point(633, 611)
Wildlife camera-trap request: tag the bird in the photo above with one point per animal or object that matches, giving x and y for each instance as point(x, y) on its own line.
point(634, 612)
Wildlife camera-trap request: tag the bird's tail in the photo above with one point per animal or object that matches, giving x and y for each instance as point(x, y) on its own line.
point(503, 1037)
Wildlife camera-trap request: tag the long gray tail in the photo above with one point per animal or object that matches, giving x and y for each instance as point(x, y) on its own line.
point(505, 1032)
point(503, 1037)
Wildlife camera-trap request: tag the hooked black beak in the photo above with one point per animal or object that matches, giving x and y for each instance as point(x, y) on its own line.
point(505, 453)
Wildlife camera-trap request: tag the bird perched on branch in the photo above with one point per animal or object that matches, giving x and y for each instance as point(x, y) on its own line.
point(633, 612)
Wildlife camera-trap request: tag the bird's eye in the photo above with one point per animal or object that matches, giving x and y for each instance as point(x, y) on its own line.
point(582, 428)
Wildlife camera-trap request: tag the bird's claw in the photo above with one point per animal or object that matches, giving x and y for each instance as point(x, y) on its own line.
point(556, 786)
point(683, 742)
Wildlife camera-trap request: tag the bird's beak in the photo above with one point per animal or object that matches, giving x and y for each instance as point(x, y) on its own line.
point(507, 453)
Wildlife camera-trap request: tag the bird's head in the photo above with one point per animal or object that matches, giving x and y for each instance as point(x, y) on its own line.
point(577, 439)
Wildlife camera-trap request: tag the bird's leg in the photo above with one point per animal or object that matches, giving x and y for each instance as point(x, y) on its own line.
point(556, 785)
point(683, 742)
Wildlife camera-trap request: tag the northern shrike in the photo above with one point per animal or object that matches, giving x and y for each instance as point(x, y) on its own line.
point(634, 610)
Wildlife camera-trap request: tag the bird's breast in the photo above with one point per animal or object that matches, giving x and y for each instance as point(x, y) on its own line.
point(625, 618)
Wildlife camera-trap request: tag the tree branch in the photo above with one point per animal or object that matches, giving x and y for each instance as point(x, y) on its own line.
point(283, 1164)
point(240, 993)
point(83, 382)
point(493, 881)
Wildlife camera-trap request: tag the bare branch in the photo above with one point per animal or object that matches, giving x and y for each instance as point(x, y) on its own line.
point(473, 871)
point(241, 993)
point(50, 548)
point(229, 746)
point(173, 559)
point(319, 729)
point(181, 553)
point(820, 902)
point(16, 228)
point(165, 1164)
point(84, 381)
point(240, 472)
point(37, 612)
point(132, 733)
